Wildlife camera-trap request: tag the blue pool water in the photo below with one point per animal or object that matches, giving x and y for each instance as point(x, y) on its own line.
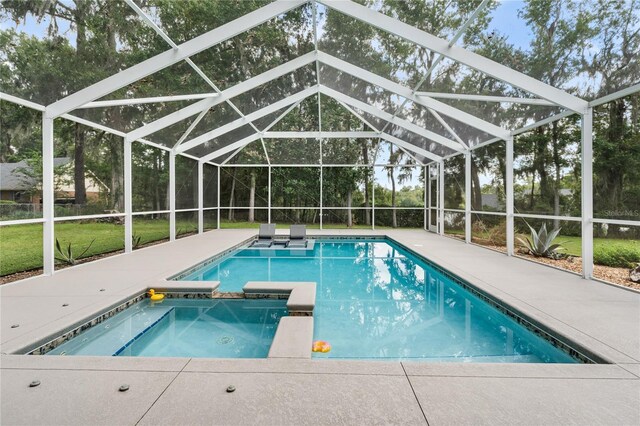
point(376, 300)
point(210, 328)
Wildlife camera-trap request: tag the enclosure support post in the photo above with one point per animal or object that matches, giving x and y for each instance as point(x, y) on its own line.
point(441, 197)
point(587, 194)
point(321, 212)
point(509, 195)
point(218, 197)
point(424, 190)
point(373, 198)
point(172, 196)
point(200, 197)
point(467, 197)
point(269, 196)
point(48, 196)
point(128, 208)
point(429, 197)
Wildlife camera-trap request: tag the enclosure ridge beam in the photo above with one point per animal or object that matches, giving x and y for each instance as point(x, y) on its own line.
point(459, 54)
point(485, 98)
point(172, 56)
point(229, 93)
point(320, 135)
point(389, 117)
point(407, 93)
point(250, 117)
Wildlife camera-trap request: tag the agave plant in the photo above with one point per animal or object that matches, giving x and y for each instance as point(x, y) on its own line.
point(67, 256)
point(136, 240)
point(540, 244)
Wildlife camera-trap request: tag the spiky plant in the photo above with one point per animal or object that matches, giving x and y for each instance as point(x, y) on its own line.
point(67, 256)
point(540, 244)
point(136, 240)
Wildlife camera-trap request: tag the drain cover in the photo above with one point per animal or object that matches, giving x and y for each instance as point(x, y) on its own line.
point(224, 340)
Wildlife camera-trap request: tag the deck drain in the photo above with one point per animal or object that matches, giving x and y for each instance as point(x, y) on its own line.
point(224, 340)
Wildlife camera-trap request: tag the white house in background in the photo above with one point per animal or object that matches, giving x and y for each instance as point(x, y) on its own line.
point(21, 187)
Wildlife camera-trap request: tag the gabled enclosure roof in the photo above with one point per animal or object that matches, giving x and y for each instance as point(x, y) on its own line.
point(221, 117)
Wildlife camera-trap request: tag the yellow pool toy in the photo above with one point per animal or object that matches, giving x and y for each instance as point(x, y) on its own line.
point(155, 297)
point(321, 346)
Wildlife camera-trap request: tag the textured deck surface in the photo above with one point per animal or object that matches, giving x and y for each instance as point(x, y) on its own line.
point(84, 390)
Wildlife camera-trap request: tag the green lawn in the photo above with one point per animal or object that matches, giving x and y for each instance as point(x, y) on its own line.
point(573, 245)
point(21, 245)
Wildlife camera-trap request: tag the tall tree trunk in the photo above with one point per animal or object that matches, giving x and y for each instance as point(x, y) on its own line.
point(555, 136)
point(476, 193)
point(533, 189)
point(78, 166)
point(80, 14)
point(349, 217)
point(252, 197)
point(117, 172)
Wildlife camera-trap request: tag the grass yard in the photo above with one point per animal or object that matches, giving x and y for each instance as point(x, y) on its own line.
point(21, 245)
point(573, 245)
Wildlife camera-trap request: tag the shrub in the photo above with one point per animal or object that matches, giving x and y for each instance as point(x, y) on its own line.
point(616, 256)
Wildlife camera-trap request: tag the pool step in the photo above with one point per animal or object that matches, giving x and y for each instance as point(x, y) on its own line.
point(114, 335)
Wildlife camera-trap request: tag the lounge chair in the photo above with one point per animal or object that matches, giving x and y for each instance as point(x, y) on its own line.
point(265, 235)
point(297, 236)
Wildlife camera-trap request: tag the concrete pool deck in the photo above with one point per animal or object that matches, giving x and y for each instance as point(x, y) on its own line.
point(84, 390)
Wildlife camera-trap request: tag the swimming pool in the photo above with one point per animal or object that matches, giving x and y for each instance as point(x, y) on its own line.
point(377, 300)
point(212, 328)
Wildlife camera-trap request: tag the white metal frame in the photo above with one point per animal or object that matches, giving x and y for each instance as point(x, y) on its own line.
point(544, 95)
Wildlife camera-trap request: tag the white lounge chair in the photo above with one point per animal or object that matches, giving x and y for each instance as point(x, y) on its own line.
point(265, 235)
point(297, 236)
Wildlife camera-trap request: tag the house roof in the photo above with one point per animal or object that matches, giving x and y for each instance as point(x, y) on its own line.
point(12, 177)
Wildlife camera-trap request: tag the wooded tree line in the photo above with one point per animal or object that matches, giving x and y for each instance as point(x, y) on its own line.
point(589, 48)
